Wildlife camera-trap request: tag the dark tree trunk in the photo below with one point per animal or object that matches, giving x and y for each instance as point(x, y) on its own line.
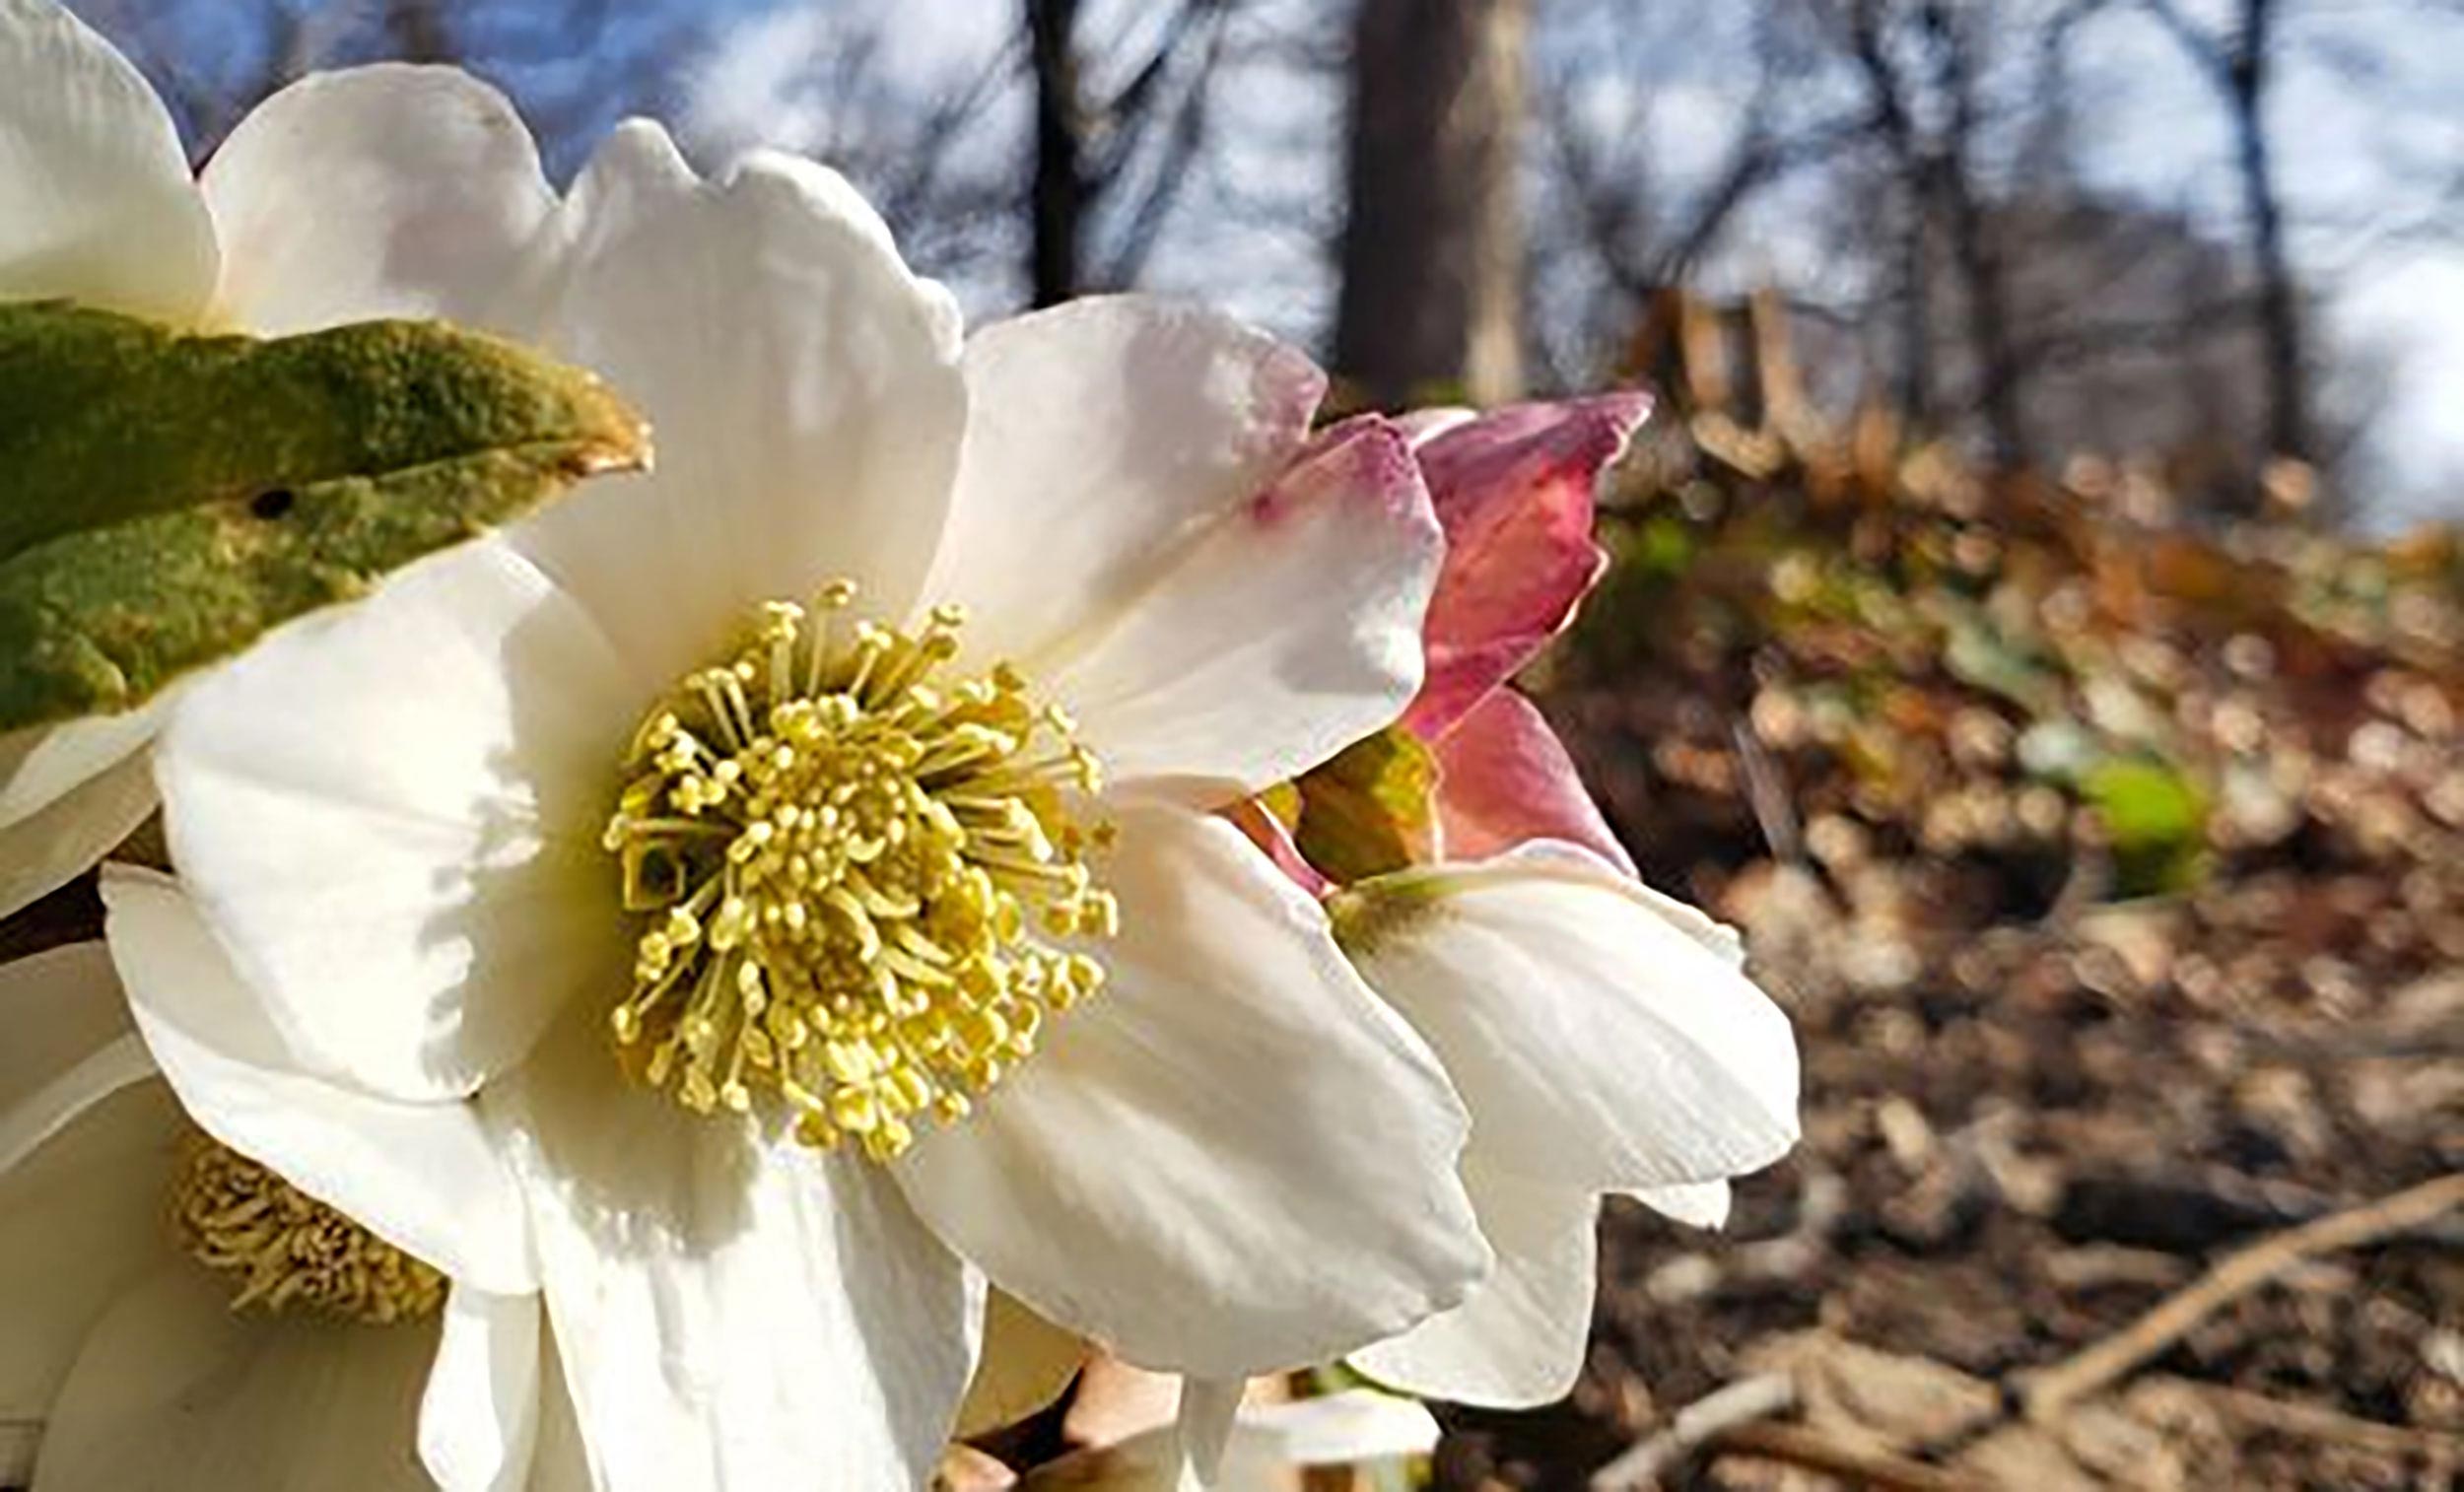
point(417, 32)
point(2280, 314)
point(1973, 246)
point(2241, 68)
point(1916, 308)
point(1432, 250)
point(1058, 195)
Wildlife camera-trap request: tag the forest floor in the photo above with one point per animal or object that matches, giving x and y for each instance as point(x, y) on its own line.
point(2110, 861)
point(1993, 1183)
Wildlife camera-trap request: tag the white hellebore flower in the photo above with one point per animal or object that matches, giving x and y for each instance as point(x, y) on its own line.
point(97, 205)
point(798, 859)
point(1606, 1039)
point(174, 1313)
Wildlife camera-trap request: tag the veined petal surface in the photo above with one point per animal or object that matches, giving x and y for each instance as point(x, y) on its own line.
point(1143, 527)
point(423, 1177)
point(730, 1311)
point(390, 191)
point(95, 200)
point(1602, 1034)
point(803, 385)
point(402, 798)
point(1231, 1159)
point(80, 1221)
point(1519, 1340)
point(479, 1413)
point(176, 1389)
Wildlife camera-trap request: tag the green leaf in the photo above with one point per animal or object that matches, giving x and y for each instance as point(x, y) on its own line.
point(166, 498)
point(1371, 809)
point(2155, 820)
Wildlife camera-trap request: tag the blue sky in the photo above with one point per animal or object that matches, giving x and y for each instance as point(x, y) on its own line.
point(2369, 123)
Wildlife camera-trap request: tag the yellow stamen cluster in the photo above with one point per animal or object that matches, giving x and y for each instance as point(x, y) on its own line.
point(283, 1247)
point(855, 872)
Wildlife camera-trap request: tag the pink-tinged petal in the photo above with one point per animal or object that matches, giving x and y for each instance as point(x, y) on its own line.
point(1267, 635)
point(1252, 818)
point(1513, 490)
point(1144, 527)
point(1505, 779)
point(1102, 437)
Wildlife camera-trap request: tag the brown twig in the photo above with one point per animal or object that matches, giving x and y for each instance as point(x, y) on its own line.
point(1800, 1446)
point(1716, 1412)
point(2046, 1394)
point(2318, 1422)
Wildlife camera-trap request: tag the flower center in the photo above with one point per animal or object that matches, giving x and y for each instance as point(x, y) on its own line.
point(856, 870)
point(281, 1246)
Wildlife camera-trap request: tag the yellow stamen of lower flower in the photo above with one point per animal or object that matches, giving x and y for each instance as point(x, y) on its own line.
point(858, 875)
point(285, 1248)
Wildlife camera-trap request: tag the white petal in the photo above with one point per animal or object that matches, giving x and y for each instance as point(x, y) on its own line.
point(731, 1313)
point(1120, 534)
point(84, 1155)
point(390, 814)
point(70, 1045)
point(804, 386)
point(1026, 1364)
point(51, 846)
point(29, 1124)
point(423, 1177)
point(1518, 1341)
point(1100, 434)
point(1697, 1205)
point(59, 1008)
point(174, 1389)
point(96, 201)
point(479, 1415)
point(1274, 636)
point(41, 764)
point(1185, 1171)
point(81, 1220)
point(1426, 425)
point(69, 793)
point(1267, 1443)
point(376, 191)
point(1203, 1425)
point(559, 1463)
point(1336, 1429)
point(1602, 1034)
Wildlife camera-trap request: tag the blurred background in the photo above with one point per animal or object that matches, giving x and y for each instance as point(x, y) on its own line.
point(2031, 616)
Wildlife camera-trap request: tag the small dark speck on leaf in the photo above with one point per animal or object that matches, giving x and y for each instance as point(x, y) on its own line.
point(272, 503)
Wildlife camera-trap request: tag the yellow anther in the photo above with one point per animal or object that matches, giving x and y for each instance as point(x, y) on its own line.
point(283, 1247)
point(856, 870)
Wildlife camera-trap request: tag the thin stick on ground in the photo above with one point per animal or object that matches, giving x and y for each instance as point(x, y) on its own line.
point(2047, 1394)
point(1810, 1449)
point(2292, 1417)
point(1725, 1408)
point(1736, 1420)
